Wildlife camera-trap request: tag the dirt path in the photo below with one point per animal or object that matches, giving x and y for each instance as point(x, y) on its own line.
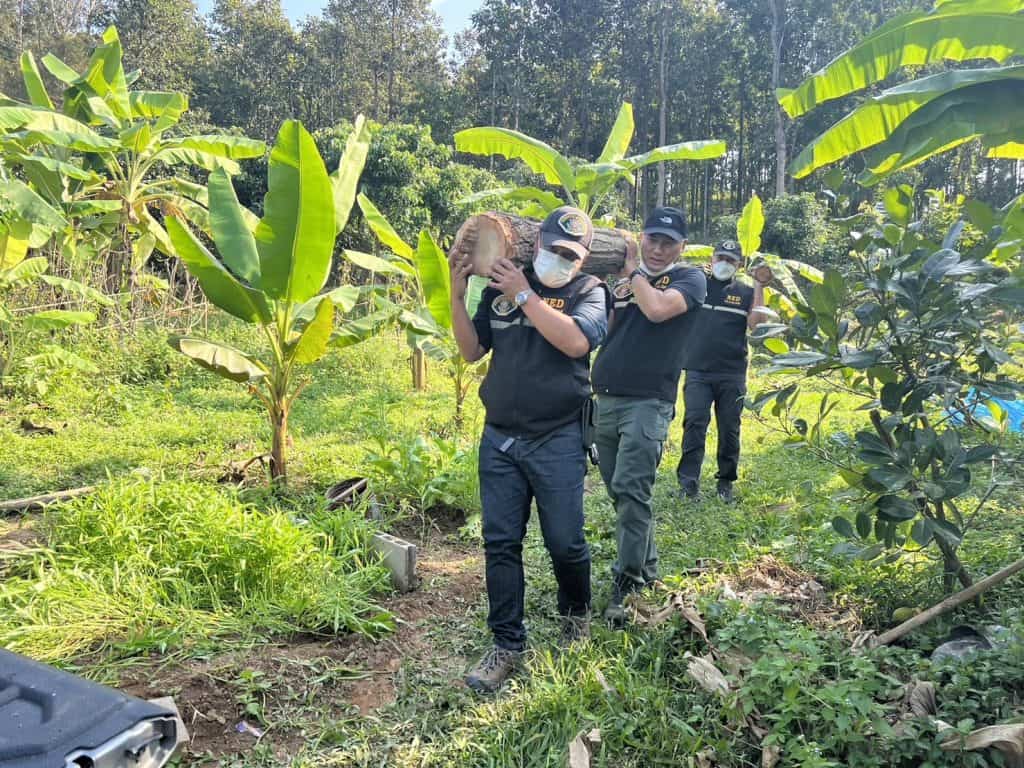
point(292, 692)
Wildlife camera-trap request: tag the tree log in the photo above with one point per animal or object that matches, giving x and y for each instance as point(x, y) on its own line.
point(37, 503)
point(490, 236)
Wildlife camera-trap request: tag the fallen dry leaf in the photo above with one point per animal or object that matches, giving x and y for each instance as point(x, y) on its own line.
point(1008, 739)
point(704, 672)
point(770, 756)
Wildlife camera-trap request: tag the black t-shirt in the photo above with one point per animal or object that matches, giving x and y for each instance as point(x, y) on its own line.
point(644, 359)
point(531, 387)
point(719, 338)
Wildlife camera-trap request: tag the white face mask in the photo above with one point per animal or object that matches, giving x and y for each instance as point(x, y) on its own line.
point(723, 270)
point(553, 270)
point(654, 272)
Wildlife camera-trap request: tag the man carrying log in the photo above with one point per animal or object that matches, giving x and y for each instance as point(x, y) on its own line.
point(636, 377)
point(541, 324)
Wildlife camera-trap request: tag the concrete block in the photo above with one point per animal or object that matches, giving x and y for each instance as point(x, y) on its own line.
point(399, 558)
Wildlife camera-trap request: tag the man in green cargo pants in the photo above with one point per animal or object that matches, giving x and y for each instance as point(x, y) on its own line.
point(636, 378)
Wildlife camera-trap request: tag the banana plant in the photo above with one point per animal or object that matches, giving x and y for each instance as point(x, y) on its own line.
point(585, 185)
point(18, 237)
point(906, 124)
point(749, 228)
point(422, 273)
point(107, 153)
point(273, 275)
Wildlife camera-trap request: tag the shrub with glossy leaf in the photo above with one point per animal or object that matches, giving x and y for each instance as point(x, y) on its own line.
point(140, 565)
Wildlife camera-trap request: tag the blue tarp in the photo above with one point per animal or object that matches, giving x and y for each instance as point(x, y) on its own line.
point(1014, 410)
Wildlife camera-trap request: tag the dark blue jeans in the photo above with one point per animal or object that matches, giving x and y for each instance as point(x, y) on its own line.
point(514, 472)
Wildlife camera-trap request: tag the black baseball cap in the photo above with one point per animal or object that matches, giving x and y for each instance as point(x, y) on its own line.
point(569, 228)
point(730, 249)
point(667, 221)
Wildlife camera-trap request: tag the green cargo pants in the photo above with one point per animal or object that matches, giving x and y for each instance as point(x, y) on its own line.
point(630, 434)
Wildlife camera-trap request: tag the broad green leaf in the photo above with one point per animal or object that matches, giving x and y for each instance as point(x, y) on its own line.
point(355, 331)
point(1010, 150)
point(874, 120)
point(435, 279)
point(750, 225)
point(176, 205)
point(230, 230)
point(776, 346)
point(225, 361)
point(59, 69)
point(345, 297)
point(295, 237)
point(889, 477)
point(345, 179)
point(57, 319)
point(798, 359)
point(695, 252)
point(221, 145)
point(34, 86)
point(956, 31)
point(23, 201)
point(373, 263)
point(39, 163)
point(621, 135)
point(52, 357)
point(899, 202)
point(806, 271)
point(383, 230)
point(79, 141)
point(549, 200)
point(540, 157)
point(686, 150)
point(895, 509)
point(945, 530)
point(204, 160)
point(13, 250)
point(158, 104)
point(136, 138)
point(843, 527)
point(75, 288)
point(105, 74)
point(142, 249)
point(989, 109)
point(219, 285)
point(312, 344)
point(23, 271)
point(149, 225)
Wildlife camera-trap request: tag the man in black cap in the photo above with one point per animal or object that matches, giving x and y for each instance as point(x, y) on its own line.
point(716, 368)
point(636, 377)
point(541, 324)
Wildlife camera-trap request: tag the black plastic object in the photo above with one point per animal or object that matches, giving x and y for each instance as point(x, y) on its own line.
point(53, 719)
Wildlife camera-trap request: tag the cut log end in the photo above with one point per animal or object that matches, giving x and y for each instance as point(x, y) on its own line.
point(487, 237)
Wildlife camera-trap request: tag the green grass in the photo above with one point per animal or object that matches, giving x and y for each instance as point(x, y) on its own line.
point(138, 566)
point(155, 412)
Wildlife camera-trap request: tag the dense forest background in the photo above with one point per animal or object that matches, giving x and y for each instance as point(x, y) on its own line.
point(557, 70)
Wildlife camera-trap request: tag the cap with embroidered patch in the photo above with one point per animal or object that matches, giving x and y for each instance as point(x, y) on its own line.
point(667, 221)
point(730, 249)
point(569, 228)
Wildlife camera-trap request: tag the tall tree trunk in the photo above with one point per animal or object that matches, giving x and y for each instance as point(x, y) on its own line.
point(740, 196)
point(778, 23)
point(419, 370)
point(662, 102)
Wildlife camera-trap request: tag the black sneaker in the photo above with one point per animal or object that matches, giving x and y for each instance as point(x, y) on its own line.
point(575, 629)
point(496, 666)
point(725, 492)
point(615, 613)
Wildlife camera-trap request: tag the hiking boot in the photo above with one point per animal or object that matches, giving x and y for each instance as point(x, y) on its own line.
point(496, 666)
point(689, 491)
point(574, 629)
point(725, 492)
point(615, 613)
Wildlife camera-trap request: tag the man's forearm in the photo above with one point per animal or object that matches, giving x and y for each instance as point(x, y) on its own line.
point(560, 330)
point(465, 334)
point(756, 318)
point(658, 306)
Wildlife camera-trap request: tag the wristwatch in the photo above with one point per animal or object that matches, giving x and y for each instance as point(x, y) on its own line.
point(522, 297)
point(637, 272)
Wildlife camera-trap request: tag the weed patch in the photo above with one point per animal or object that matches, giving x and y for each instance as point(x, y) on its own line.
point(141, 566)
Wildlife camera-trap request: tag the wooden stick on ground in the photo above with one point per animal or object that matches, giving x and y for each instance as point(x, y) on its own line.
point(488, 237)
point(36, 503)
point(951, 602)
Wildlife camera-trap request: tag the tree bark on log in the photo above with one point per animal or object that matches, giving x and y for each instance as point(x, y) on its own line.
point(38, 503)
point(487, 237)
